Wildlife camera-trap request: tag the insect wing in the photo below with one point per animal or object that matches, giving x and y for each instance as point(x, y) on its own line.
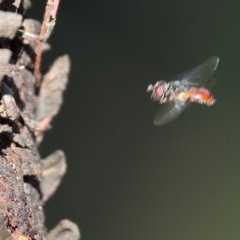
point(201, 75)
point(169, 111)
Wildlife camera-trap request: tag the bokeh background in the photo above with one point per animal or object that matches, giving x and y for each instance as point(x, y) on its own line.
point(128, 179)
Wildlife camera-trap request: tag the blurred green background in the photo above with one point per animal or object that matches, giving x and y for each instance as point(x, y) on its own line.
point(128, 179)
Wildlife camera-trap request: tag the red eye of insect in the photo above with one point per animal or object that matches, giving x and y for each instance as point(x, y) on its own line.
point(159, 91)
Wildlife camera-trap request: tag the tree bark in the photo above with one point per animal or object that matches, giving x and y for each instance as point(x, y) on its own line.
point(28, 104)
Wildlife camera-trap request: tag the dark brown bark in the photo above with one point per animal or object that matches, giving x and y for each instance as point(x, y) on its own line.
point(26, 111)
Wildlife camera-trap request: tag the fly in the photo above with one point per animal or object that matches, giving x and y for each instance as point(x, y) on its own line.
point(191, 86)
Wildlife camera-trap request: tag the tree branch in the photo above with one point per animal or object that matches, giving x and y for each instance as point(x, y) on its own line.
point(26, 110)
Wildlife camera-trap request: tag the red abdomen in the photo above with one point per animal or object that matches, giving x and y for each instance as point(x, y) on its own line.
point(201, 95)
